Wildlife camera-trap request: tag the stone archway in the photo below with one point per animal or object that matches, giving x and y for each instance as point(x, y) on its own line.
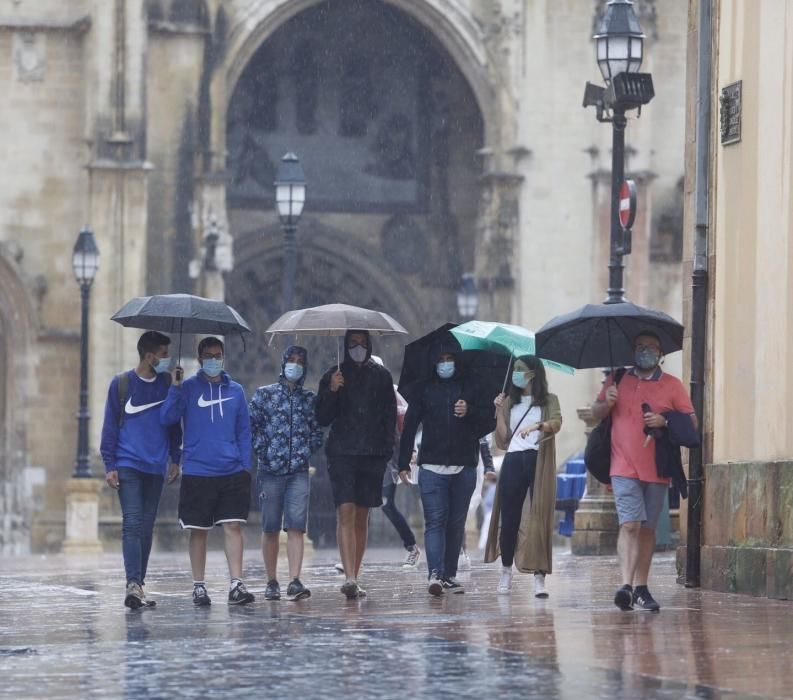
point(17, 322)
point(330, 271)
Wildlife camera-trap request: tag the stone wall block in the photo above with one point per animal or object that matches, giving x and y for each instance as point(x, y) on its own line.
point(718, 569)
point(784, 498)
point(717, 504)
point(738, 477)
point(779, 574)
point(750, 570)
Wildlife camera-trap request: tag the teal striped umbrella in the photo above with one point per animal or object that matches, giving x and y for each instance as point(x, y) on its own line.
point(501, 338)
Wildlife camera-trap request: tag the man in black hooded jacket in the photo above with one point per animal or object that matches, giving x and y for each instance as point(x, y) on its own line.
point(357, 401)
point(454, 415)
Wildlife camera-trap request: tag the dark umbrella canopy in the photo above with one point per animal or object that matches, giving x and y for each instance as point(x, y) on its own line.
point(418, 366)
point(602, 335)
point(181, 313)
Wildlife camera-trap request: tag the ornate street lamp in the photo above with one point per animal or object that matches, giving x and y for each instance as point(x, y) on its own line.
point(85, 263)
point(290, 196)
point(467, 297)
point(619, 49)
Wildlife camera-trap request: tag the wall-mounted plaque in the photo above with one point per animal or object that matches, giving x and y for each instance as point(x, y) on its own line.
point(730, 116)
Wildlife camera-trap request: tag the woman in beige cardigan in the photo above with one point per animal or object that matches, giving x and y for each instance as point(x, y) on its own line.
point(521, 525)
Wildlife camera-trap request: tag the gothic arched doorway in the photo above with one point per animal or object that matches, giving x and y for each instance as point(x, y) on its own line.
point(388, 133)
point(387, 130)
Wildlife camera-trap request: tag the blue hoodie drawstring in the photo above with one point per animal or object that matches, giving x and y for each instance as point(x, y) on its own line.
point(220, 398)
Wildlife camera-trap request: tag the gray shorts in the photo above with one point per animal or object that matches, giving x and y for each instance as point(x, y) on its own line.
point(638, 501)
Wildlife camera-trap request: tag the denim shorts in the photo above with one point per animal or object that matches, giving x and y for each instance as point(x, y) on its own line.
point(284, 501)
point(638, 501)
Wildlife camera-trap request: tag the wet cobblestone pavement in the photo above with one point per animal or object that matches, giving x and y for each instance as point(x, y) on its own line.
point(65, 634)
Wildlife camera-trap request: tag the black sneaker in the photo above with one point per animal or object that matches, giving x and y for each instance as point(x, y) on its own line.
point(452, 585)
point(239, 595)
point(435, 585)
point(200, 597)
point(273, 591)
point(623, 598)
point(296, 590)
point(134, 598)
point(644, 600)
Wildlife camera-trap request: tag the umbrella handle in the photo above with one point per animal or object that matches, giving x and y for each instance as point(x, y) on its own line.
point(506, 376)
point(181, 321)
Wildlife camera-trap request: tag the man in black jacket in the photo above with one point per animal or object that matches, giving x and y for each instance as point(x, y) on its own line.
point(453, 416)
point(357, 400)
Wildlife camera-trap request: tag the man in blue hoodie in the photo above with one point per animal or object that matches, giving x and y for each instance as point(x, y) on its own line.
point(285, 435)
point(135, 449)
point(216, 479)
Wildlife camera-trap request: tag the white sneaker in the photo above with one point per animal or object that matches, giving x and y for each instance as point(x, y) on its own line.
point(539, 586)
point(413, 558)
point(505, 582)
point(463, 562)
point(339, 567)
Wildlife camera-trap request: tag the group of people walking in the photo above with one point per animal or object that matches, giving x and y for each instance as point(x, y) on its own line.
point(159, 425)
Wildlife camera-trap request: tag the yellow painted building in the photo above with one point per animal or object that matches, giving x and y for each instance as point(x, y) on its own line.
point(746, 186)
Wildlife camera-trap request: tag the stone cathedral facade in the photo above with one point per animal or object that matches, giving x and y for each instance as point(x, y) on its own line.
point(438, 137)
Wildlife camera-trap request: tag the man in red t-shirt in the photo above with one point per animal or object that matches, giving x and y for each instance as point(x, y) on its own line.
point(645, 394)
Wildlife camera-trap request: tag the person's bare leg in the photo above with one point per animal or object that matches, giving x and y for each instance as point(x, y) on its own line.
point(361, 536)
point(197, 549)
point(294, 552)
point(270, 554)
point(345, 515)
point(646, 550)
point(233, 544)
point(628, 550)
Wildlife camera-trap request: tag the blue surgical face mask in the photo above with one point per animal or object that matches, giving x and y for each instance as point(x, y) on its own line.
point(163, 365)
point(520, 380)
point(212, 367)
point(445, 370)
point(647, 358)
point(293, 371)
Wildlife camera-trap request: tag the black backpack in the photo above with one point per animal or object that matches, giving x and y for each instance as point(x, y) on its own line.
point(597, 455)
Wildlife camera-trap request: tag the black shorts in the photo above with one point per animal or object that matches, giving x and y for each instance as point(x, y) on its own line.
point(206, 501)
point(357, 480)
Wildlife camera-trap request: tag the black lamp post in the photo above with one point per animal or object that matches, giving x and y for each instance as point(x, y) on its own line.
point(619, 45)
point(290, 196)
point(467, 297)
point(85, 262)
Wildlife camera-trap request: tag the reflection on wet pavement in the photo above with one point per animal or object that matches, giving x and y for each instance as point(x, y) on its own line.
point(65, 634)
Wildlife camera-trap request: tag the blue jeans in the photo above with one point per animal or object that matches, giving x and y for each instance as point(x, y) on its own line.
point(139, 494)
point(397, 519)
point(284, 501)
point(445, 499)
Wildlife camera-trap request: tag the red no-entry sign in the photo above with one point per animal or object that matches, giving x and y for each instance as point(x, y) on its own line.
point(627, 203)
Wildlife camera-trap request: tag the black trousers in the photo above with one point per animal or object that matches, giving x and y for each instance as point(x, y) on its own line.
point(515, 481)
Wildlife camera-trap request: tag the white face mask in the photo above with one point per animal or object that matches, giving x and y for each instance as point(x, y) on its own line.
point(358, 353)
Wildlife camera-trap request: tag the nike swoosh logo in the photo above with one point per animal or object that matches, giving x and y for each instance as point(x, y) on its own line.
point(203, 403)
point(132, 410)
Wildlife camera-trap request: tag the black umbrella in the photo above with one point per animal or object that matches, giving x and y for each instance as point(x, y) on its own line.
point(602, 335)
point(418, 365)
point(181, 313)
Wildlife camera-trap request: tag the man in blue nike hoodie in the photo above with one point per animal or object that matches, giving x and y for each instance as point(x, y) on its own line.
point(216, 478)
point(135, 448)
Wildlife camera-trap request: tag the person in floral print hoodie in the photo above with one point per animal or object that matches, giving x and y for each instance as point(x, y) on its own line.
point(285, 435)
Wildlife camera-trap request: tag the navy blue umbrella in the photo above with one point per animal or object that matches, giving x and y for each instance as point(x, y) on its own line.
point(602, 335)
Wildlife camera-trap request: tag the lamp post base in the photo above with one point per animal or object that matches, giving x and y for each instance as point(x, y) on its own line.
point(596, 523)
point(82, 517)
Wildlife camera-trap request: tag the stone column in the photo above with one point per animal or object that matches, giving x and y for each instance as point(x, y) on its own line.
point(82, 517)
point(498, 230)
point(596, 525)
